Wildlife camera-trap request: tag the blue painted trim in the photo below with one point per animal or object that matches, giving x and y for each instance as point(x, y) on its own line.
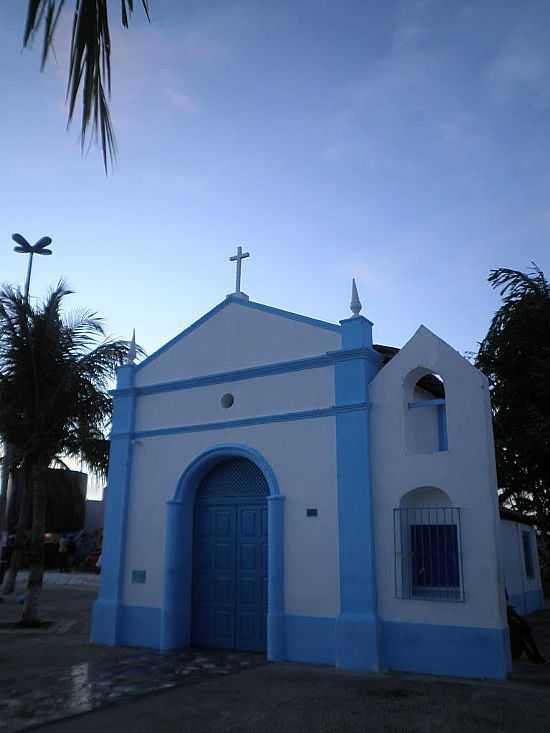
point(310, 639)
point(426, 403)
point(107, 616)
point(287, 314)
point(443, 439)
point(358, 638)
point(140, 626)
point(237, 375)
point(528, 602)
point(356, 332)
point(247, 421)
point(362, 352)
point(276, 634)
point(457, 651)
point(230, 500)
point(176, 611)
point(246, 304)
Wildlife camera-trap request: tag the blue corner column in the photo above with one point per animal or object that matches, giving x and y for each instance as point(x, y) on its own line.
point(358, 629)
point(276, 577)
point(107, 612)
point(176, 612)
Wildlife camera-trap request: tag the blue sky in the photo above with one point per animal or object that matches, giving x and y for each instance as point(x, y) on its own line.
point(404, 143)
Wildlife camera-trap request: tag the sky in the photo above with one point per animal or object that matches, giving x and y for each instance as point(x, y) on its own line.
point(404, 143)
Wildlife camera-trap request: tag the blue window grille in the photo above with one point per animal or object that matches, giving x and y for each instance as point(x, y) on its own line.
point(428, 557)
point(231, 478)
point(527, 554)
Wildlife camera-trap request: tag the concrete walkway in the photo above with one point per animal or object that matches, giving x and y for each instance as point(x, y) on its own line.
point(52, 577)
point(294, 698)
point(56, 672)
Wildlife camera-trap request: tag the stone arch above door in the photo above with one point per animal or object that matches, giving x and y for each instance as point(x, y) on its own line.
point(176, 612)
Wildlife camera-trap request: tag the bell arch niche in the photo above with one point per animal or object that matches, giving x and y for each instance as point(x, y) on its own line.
point(425, 412)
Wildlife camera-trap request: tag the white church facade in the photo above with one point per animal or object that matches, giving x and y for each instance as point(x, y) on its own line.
point(278, 483)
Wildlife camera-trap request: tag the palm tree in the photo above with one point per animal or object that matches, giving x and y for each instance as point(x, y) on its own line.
point(55, 372)
point(89, 60)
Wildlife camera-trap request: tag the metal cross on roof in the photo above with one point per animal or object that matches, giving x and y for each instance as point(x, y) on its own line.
point(238, 259)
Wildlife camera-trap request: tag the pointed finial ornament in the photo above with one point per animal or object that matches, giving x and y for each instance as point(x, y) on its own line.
point(355, 304)
point(132, 353)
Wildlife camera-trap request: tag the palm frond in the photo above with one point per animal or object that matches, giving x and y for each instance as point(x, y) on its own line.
point(515, 284)
point(55, 376)
point(89, 62)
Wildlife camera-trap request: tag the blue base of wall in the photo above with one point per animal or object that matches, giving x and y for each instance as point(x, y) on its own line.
point(105, 621)
point(309, 639)
point(358, 643)
point(529, 602)
point(455, 651)
point(126, 625)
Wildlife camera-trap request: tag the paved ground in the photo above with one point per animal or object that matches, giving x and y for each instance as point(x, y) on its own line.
point(80, 580)
point(47, 674)
point(298, 699)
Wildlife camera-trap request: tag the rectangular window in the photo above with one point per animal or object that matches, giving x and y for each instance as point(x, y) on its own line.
point(527, 553)
point(428, 563)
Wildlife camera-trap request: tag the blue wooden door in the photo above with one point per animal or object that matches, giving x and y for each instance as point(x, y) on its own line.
point(251, 596)
point(230, 558)
point(214, 577)
point(230, 575)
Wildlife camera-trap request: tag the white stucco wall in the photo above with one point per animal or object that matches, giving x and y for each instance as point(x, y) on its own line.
point(237, 337)
point(276, 394)
point(466, 473)
point(302, 454)
point(513, 561)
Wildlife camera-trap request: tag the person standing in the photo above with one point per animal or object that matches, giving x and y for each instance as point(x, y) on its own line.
point(63, 551)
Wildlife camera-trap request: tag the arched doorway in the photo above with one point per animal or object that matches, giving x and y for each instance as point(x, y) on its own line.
point(230, 546)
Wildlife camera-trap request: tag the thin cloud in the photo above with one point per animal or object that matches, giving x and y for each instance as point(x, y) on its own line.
point(521, 65)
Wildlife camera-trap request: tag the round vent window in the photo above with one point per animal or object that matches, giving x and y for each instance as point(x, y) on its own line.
point(228, 400)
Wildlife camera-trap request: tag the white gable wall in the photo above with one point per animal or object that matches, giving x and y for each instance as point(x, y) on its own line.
point(236, 337)
point(301, 453)
point(466, 473)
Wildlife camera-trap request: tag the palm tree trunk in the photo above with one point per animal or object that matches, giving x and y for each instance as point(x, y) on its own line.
point(6, 470)
point(29, 616)
point(16, 559)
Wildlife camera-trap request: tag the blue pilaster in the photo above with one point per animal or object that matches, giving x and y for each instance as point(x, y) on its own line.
point(276, 578)
point(108, 608)
point(358, 629)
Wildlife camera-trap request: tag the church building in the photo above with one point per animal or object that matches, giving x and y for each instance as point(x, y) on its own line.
point(284, 485)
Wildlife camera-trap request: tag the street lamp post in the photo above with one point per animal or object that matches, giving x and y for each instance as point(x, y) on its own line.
point(31, 249)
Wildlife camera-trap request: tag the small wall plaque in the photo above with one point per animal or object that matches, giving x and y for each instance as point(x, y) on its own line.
point(311, 512)
point(139, 576)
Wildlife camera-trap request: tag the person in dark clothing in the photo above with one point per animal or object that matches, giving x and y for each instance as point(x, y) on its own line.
point(63, 551)
point(521, 637)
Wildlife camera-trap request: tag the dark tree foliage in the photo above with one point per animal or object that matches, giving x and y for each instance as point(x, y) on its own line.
point(515, 356)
